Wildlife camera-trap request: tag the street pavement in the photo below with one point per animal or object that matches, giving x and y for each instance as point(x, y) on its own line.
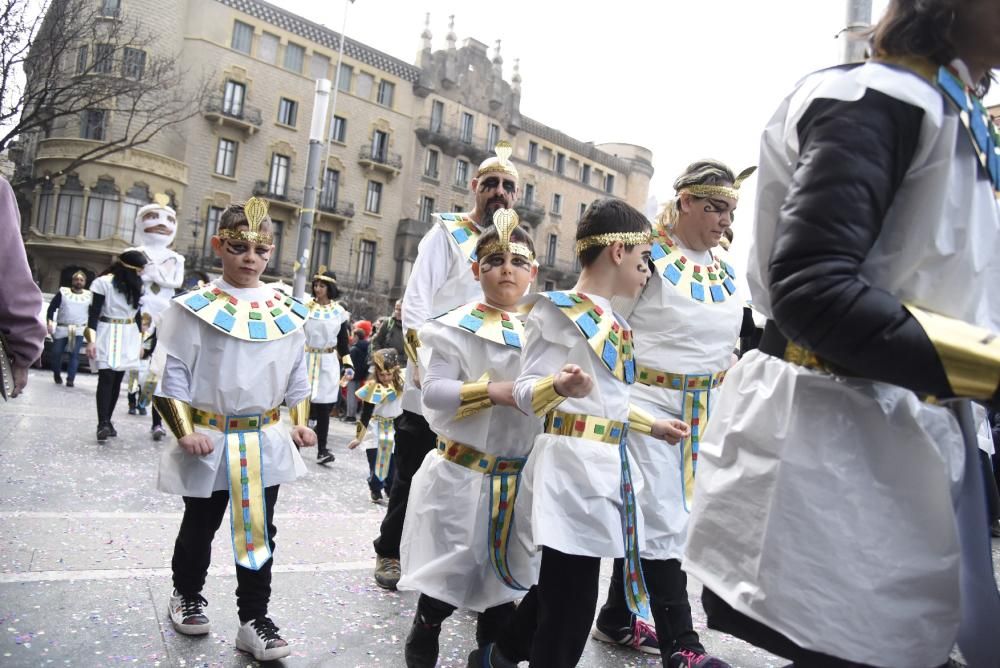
point(85, 576)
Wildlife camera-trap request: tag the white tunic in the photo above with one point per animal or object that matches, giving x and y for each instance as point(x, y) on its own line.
point(443, 550)
point(677, 334)
point(389, 409)
point(824, 504)
point(214, 371)
point(572, 485)
point(118, 344)
point(73, 311)
point(321, 330)
point(162, 275)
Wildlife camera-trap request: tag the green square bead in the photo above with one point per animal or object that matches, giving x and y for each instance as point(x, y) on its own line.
point(231, 309)
point(209, 295)
point(255, 315)
point(276, 312)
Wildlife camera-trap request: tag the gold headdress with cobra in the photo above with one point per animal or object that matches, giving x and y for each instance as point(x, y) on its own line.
point(323, 275)
point(505, 221)
point(387, 361)
point(500, 163)
point(732, 192)
point(255, 210)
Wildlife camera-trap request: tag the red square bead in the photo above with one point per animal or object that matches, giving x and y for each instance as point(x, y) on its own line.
point(503, 505)
point(232, 424)
point(254, 305)
point(579, 425)
point(233, 300)
point(249, 547)
point(243, 461)
point(245, 503)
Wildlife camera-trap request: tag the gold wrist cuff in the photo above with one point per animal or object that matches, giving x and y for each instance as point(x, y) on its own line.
point(176, 414)
point(89, 335)
point(640, 420)
point(544, 396)
point(970, 354)
point(360, 430)
point(346, 361)
point(410, 344)
point(473, 397)
point(299, 413)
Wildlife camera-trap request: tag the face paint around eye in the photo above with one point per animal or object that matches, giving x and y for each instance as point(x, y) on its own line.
point(509, 186)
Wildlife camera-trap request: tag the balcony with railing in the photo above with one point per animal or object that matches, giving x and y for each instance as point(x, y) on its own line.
point(450, 139)
point(530, 210)
point(561, 272)
point(371, 158)
point(335, 210)
point(241, 116)
point(287, 198)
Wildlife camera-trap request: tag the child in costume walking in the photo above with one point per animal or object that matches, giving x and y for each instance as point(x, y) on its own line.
point(138, 398)
point(381, 399)
point(578, 491)
point(234, 352)
point(458, 549)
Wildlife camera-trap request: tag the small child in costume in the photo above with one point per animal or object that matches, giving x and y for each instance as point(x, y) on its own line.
point(138, 399)
point(381, 405)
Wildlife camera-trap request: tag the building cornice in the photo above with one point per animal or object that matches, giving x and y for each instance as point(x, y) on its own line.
point(583, 149)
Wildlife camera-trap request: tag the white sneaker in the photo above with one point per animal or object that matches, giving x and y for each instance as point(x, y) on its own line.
point(187, 614)
point(260, 638)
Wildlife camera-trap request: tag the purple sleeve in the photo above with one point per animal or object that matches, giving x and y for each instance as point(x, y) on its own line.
point(20, 299)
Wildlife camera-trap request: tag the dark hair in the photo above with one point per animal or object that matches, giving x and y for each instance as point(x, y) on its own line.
point(234, 216)
point(128, 281)
point(917, 28)
point(519, 234)
point(332, 291)
point(605, 216)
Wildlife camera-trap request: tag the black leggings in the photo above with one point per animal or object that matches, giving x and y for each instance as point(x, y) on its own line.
point(109, 383)
point(321, 413)
point(489, 623)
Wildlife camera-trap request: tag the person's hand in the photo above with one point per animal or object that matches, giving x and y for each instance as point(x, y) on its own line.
point(51, 327)
point(20, 380)
point(196, 444)
point(353, 444)
point(304, 437)
point(572, 381)
point(348, 373)
point(92, 350)
point(502, 393)
point(670, 430)
point(416, 375)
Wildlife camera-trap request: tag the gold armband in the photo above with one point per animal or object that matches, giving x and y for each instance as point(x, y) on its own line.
point(544, 396)
point(410, 344)
point(347, 361)
point(176, 414)
point(473, 397)
point(640, 420)
point(969, 354)
point(89, 335)
point(299, 413)
point(360, 430)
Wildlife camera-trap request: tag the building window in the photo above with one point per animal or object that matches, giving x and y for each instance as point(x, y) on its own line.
point(426, 208)
point(585, 175)
point(457, 208)
point(81, 59)
point(288, 111)
point(319, 66)
point(44, 207)
point(431, 164)
point(533, 152)
point(320, 250)
point(344, 80)
point(556, 203)
point(294, 56)
point(461, 173)
point(373, 199)
point(366, 263)
point(133, 63)
point(135, 198)
point(93, 124)
point(225, 158)
point(102, 211)
point(467, 126)
point(110, 8)
point(232, 99)
point(609, 184)
point(364, 84)
point(103, 58)
point(437, 115)
point(492, 136)
point(69, 208)
point(277, 237)
point(583, 207)
point(212, 217)
point(386, 91)
point(339, 133)
point(277, 182)
point(550, 250)
point(380, 145)
point(560, 163)
point(242, 37)
point(549, 286)
point(331, 184)
point(267, 48)
point(529, 193)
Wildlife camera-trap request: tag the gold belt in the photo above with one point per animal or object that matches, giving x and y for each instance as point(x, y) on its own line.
point(589, 427)
point(321, 351)
point(235, 423)
point(480, 462)
point(117, 321)
point(678, 381)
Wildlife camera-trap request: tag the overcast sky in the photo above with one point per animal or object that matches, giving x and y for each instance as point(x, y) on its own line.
point(687, 79)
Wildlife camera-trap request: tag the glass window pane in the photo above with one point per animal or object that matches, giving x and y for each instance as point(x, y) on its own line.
point(346, 72)
point(242, 36)
point(232, 101)
point(363, 87)
point(339, 129)
point(267, 48)
point(386, 91)
point(294, 56)
point(319, 66)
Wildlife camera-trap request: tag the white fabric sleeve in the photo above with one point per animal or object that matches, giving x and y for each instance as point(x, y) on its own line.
point(298, 381)
point(541, 357)
point(440, 385)
point(429, 274)
point(175, 382)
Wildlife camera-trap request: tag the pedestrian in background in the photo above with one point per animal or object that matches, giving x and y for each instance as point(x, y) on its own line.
point(359, 358)
point(390, 333)
point(72, 305)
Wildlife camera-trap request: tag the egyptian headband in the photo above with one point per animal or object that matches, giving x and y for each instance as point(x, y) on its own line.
point(255, 211)
point(732, 192)
point(505, 220)
point(320, 275)
point(385, 362)
point(608, 238)
point(125, 264)
point(501, 163)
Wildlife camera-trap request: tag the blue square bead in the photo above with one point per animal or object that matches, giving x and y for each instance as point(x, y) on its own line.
point(717, 294)
point(672, 274)
point(511, 338)
point(284, 323)
point(587, 326)
point(656, 252)
point(609, 355)
point(730, 286)
point(698, 292)
point(258, 331)
point(629, 371)
point(470, 323)
point(301, 311)
point(224, 321)
point(196, 302)
point(560, 299)
point(461, 235)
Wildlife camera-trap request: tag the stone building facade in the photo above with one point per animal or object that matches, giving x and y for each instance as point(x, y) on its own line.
point(406, 142)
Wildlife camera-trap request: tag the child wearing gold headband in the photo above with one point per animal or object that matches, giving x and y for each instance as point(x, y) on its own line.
point(234, 353)
point(577, 503)
point(381, 404)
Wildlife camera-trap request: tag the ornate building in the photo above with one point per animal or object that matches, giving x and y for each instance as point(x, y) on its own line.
point(405, 143)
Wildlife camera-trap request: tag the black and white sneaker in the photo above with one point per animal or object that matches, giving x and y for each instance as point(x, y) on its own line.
point(188, 615)
point(103, 433)
point(325, 457)
point(260, 638)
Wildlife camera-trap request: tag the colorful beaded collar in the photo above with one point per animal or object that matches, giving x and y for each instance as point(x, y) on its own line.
point(486, 322)
point(375, 393)
point(463, 231)
point(243, 319)
point(610, 341)
point(703, 283)
point(319, 311)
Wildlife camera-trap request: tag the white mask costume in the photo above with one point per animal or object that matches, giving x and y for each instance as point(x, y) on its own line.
point(165, 271)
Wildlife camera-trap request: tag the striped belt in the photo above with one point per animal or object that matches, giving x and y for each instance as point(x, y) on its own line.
point(678, 381)
point(504, 480)
point(117, 321)
point(235, 423)
point(589, 427)
point(321, 351)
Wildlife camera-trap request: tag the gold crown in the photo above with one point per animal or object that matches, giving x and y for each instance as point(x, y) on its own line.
point(732, 192)
point(320, 275)
point(255, 210)
point(505, 220)
point(500, 163)
point(608, 238)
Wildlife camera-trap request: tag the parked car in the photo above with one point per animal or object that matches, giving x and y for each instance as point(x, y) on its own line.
point(43, 361)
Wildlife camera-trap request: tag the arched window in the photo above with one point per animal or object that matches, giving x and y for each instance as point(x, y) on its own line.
point(102, 210)
point(136, 198)
point(69, 208)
